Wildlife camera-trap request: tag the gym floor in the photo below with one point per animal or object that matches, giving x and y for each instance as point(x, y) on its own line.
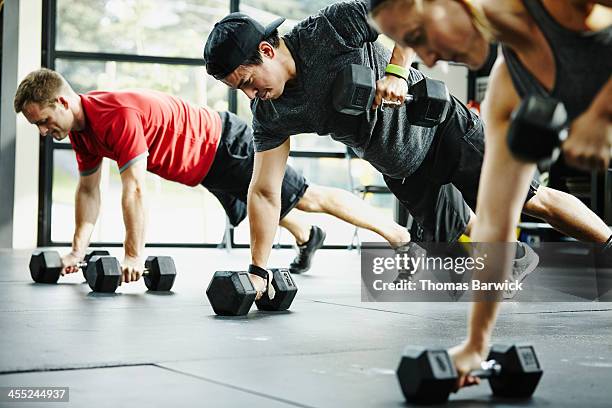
point(135, 348)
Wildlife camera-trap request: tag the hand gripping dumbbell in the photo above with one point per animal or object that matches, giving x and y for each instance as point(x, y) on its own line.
point(429, 376)
point(354, 90)
point(103, 273)
point(231, 293)
point(537, 128)
point(46, 266)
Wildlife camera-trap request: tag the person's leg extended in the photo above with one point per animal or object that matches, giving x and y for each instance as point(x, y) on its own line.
point(567, 214)
point(349, 208)
point(297, 226)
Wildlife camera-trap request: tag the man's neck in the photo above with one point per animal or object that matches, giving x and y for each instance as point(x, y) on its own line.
point(287, 61)
point(79, 114)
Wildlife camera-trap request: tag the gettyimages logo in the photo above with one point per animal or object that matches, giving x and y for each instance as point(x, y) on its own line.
point(484, 271)
point(411, 263)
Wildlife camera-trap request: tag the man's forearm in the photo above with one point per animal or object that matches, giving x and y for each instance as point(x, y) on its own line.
point(264, 212)
point(134, 218)
point(87, 208)
point(481, 324)
point(402, 56)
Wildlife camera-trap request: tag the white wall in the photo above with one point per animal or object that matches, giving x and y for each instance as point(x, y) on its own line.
point(453, 75)
point(24, 55)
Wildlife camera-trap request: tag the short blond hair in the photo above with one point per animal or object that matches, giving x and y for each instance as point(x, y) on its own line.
point(41, 86)
point(386, 3)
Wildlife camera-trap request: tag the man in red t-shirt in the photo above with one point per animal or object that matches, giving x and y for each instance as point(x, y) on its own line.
point(147, 130)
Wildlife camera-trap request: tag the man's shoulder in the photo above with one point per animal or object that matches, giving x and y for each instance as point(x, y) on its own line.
point(344, 7)
point(265, 115)
point(331, 14)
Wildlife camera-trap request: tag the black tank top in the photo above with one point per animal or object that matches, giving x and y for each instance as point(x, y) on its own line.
point(583, 61)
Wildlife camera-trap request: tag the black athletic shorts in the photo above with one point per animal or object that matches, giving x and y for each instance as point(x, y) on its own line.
point(230, 173)
point(441, 192)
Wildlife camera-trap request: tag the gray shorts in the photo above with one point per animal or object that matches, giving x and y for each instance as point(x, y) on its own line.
point(441, 192)
point(230, 174)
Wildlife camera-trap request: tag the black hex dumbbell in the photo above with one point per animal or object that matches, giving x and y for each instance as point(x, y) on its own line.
point(429, 376)
point(46, 266)
point(537, 128)
point(90, 254)
point(354, 90)
point(285, 289)
point(231, 293)
point(103, 273)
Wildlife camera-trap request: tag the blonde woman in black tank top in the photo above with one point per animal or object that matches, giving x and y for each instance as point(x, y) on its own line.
point(545, 43)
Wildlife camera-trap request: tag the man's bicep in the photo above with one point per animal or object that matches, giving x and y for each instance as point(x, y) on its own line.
point(91, 180)
point(269, 168)
point(135, 175)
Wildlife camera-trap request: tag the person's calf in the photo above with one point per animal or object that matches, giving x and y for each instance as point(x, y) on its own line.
point(296, 224)
point(567, 214)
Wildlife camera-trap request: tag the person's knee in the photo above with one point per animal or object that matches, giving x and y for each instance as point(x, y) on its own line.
point(542, 204)
point(312, 200)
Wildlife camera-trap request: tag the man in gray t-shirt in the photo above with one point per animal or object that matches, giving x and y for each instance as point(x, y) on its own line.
point(430, 170)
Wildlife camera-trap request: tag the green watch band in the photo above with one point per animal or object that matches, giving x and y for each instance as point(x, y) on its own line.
point(397, 70)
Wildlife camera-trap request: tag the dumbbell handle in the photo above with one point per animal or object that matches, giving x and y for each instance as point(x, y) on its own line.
point(83, 264)
point(409, 98)
point(487, 369)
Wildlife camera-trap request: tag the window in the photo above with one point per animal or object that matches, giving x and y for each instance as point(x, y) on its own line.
point(157, 44)
point(188, 82)
point(118, 44)
point(176, 28)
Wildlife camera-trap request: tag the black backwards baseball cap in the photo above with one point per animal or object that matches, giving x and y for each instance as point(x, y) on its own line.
point(228, 45)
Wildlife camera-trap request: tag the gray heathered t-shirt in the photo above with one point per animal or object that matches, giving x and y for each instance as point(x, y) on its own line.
point(321, 46)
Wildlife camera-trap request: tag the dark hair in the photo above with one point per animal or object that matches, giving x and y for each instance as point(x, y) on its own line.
point(255, 57)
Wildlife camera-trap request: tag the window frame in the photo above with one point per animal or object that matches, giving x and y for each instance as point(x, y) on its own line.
point(47, 145)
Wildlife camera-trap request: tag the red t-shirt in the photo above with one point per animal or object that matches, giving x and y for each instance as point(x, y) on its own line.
point(178, 140)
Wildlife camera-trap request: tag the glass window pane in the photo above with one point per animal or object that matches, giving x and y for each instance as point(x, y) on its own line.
point(201, 218)
point(176, 28)
point(293, 10)
point(188, 82)
point(65, 178)
point(332, 173)
point(325, 171)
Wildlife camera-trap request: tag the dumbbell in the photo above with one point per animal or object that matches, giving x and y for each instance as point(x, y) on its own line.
point(429, 376)
point(90, 254)
point(46, 266)
point(354, 89)
point(231, 293)
point(538, 126)
point(103, 273)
